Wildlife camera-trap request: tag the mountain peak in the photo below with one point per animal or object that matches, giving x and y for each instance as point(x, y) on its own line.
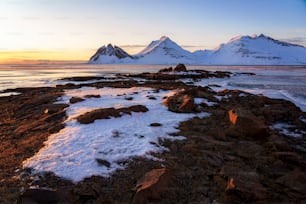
point(240, 50)
point(164, 38)
point(111, 51)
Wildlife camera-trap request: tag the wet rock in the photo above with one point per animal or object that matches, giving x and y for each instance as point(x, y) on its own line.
point(152, 185)
point(75, 100)
point(180, 68)
point(107, 113)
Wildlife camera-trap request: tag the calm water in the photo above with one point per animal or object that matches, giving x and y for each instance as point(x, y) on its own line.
point(288, 82)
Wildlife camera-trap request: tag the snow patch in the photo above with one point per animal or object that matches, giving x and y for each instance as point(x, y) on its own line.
point(287, 129)
point(73, 152)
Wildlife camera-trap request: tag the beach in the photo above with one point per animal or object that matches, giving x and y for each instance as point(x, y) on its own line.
point(95, 139)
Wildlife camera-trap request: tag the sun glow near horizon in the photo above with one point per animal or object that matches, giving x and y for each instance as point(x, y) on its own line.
point(62, 30)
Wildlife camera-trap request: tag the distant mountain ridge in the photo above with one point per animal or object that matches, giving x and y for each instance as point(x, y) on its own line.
point(240, 50)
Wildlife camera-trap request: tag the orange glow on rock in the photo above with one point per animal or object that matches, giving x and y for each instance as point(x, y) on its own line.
point(232, 116)
point(230, 184)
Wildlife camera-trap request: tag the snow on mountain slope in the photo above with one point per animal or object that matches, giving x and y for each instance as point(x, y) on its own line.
point(255, 50)
point(164, 51)
point(110, 55)
point(241, 50)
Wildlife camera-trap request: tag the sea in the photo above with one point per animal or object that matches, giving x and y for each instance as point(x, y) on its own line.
point(280, 82)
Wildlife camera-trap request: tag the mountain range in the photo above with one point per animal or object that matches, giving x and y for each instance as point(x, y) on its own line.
point(241, 50)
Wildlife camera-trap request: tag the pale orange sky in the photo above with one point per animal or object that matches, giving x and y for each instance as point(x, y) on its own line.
point(74, 30)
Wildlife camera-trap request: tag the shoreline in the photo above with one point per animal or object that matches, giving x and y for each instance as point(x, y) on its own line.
point(199, 168)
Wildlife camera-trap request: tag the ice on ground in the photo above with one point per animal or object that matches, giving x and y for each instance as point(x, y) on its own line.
point(272, 85)
point(287, 129)
point(73, 152)
point(204, 100)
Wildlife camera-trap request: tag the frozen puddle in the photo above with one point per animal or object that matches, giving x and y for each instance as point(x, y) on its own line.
point(73, 152)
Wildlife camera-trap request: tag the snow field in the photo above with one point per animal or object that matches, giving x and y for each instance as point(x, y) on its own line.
point(73, 152)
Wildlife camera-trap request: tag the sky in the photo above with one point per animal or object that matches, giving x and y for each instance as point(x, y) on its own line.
point(75, 29)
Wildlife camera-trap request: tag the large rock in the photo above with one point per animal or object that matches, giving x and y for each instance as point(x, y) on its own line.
point(180, 103)
point(245, 184)
point(180, 68)
point(245, 124)
point(152, 185)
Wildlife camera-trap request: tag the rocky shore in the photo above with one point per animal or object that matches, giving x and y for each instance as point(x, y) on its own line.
point(236, 155)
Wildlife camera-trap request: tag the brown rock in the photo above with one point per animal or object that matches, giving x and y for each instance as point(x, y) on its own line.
point(246, 184)
point(103, 162)
point(44, 196)
point(244, 124)
point(75, 100)
point(180, 68)
point(170, 69)
point(106, 113)
point(92, 96)
point(295, 181)
point(180, 103)
point(152, 185)
point(155, 124)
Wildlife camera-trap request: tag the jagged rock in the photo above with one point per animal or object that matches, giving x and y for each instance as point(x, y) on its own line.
point(245, 124)
point(106, 113)
point(180, 68)
point(152, 185)
point(180, 103)
point(245, 184)
point(170, 69)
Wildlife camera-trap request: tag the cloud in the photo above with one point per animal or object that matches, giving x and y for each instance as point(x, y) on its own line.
point(296, 40)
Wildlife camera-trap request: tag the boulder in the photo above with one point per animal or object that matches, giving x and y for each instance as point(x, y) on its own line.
point(245, 184)
point(180, 103)
point(245, 124)
point(180, 68)
point(75, 100)
point(152, 185)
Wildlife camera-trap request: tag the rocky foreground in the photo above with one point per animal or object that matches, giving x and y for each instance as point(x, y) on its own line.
point(233, 156)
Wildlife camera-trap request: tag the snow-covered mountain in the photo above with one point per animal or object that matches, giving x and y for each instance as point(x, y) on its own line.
point(241, 50)
point(164, 51)
point(255, 50)
point(110, 55)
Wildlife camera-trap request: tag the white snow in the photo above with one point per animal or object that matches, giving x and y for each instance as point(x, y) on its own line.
point(283, 128)
point(72, 152)
point(269, 83)
point(204, 100)
point(240, 50)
